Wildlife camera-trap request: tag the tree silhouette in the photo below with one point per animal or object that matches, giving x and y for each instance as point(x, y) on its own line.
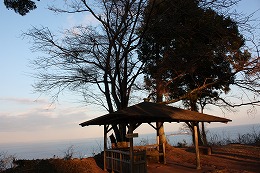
point(203, 47)
point(98, 61)
point(191, 52)
point(21, 7)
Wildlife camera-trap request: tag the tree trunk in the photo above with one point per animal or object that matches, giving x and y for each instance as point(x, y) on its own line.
point(200, 141)
point(159, 125)
point(203, 134)
point(193, 106)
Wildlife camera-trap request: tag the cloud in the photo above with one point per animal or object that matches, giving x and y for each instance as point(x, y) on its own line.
point(86, 19)
point(38, 119)
point(22, 119)
point(18, 107)
point(90, 20)
point(41, 125)
point(24, 100)
point(28, 115)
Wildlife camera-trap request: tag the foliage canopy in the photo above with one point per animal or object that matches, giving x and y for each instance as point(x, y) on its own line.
point(21, 7)
point(191, 52)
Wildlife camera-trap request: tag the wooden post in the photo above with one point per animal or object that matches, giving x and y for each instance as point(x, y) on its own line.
point(157, 138)
point(164, 154)
point(160, 141)
point(195, 128)
point(131, 150)
point(105, 146)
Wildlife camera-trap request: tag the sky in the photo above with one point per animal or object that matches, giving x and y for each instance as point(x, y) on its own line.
point(26, 116)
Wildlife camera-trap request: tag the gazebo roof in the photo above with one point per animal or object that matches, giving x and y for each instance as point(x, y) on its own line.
point(148, 112)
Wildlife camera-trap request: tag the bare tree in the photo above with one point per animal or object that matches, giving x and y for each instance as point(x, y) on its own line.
point(100, 61)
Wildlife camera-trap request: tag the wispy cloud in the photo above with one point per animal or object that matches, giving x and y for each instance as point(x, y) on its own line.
point(23, 100)
point(90, 20)
point(56, 124)
point(24, 119)
point(86, 19)
point(38, 119)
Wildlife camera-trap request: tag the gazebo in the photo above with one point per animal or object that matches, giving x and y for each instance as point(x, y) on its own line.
point(133, 117)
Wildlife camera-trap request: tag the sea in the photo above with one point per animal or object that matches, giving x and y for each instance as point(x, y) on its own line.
point(88, 147)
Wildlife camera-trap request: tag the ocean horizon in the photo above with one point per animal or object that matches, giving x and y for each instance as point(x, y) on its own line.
point(88, 147)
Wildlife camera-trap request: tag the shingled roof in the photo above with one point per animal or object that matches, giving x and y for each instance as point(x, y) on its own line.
point(148, 112)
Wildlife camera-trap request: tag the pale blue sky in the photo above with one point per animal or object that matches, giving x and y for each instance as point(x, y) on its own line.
point(27, 116)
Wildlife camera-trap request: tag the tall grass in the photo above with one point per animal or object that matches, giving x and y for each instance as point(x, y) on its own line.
point(252, 138)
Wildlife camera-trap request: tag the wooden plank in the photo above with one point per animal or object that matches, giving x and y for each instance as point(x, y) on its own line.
point(131, 135)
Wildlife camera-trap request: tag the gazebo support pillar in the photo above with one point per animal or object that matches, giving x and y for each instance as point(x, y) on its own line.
point(105, 146)
point(160, 142)
point(195, 129)
point(131, 140)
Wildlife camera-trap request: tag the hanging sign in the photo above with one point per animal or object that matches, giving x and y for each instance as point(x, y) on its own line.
point(133, 135)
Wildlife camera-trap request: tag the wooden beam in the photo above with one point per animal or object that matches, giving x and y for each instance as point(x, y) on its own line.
point(109, 129)
point(152, 126)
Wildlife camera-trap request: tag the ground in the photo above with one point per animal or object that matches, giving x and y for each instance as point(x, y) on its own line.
point(233, 158)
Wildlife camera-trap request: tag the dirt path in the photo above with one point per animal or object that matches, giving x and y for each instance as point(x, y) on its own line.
point(226, 159)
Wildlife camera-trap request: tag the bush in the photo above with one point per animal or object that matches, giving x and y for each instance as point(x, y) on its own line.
point(6, 161)
point(68, 154)
point(143, 142)
point(182, 144)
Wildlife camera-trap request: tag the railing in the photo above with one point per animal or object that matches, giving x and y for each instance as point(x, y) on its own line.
point(119, 161)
